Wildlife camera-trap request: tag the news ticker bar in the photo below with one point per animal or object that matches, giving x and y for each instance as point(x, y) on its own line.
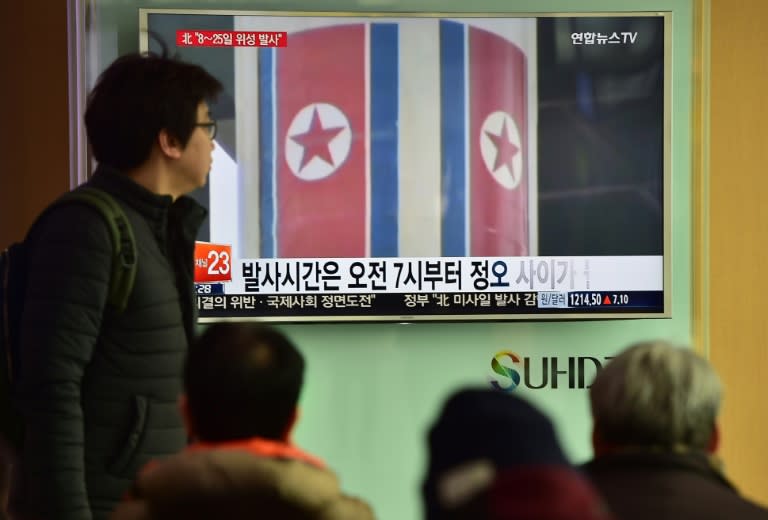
point(427, 275)
point(212, 303)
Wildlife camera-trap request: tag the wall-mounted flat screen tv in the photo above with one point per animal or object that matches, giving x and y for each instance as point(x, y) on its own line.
point(441, 166)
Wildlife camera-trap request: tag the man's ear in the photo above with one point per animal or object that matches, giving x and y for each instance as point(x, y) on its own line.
point(186, 417)
point(714, 440)
point(169, 145)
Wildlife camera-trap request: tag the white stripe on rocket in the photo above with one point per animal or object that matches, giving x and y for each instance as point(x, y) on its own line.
point(419, 139)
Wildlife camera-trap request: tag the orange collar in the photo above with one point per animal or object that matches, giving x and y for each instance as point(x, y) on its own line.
point(261, 447)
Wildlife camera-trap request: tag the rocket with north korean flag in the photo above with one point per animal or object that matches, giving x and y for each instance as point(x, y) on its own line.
point(378, 138)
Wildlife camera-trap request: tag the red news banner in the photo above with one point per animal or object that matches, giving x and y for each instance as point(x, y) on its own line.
point(195, 38)
point(213, 262)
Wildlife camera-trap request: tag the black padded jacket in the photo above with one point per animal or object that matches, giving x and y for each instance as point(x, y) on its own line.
point(98, 389)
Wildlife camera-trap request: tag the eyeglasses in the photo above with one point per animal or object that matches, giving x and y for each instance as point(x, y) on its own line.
point(210, 127)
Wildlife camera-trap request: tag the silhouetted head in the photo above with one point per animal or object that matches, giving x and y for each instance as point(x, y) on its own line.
point(242, 380)
point(135, 98)
point(494, 456)
point(655, 394)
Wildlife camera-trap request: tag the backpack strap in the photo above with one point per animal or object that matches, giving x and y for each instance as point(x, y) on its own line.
point(13, 280)
point(123, 242)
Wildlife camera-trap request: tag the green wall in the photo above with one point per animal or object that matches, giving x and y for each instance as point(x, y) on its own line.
point(373, 389)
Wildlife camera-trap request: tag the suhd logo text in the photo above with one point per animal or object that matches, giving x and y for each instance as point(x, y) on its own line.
point(553, 372)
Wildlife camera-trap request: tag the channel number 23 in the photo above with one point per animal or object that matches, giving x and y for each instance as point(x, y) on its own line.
point(218, 263)
point(213, 263)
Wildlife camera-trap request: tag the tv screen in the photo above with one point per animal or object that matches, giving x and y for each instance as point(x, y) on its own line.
point(410, 166)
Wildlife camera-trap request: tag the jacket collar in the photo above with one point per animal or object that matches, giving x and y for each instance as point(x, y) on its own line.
point(262, 447)
point(155, 208)
point(114, 182)
point(692, 461)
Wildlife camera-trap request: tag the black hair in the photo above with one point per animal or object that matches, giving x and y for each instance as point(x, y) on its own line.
point(135, 98)
point(242, 380)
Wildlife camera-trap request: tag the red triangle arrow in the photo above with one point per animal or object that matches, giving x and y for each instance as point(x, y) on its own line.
point(606, 300)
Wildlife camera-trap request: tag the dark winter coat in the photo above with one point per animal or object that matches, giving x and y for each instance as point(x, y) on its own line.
point(668, 486)
point(98, 389)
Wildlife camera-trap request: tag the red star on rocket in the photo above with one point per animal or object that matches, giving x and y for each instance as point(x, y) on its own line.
point(505, 149)
point(316, 140)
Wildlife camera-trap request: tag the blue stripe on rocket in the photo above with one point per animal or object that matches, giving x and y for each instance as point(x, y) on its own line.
point(453, 108)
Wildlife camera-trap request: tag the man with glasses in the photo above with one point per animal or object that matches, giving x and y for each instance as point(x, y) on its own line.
point(210, 127)
point(98, 386)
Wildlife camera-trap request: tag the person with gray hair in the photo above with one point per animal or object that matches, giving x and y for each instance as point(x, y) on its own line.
point(655, 434)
